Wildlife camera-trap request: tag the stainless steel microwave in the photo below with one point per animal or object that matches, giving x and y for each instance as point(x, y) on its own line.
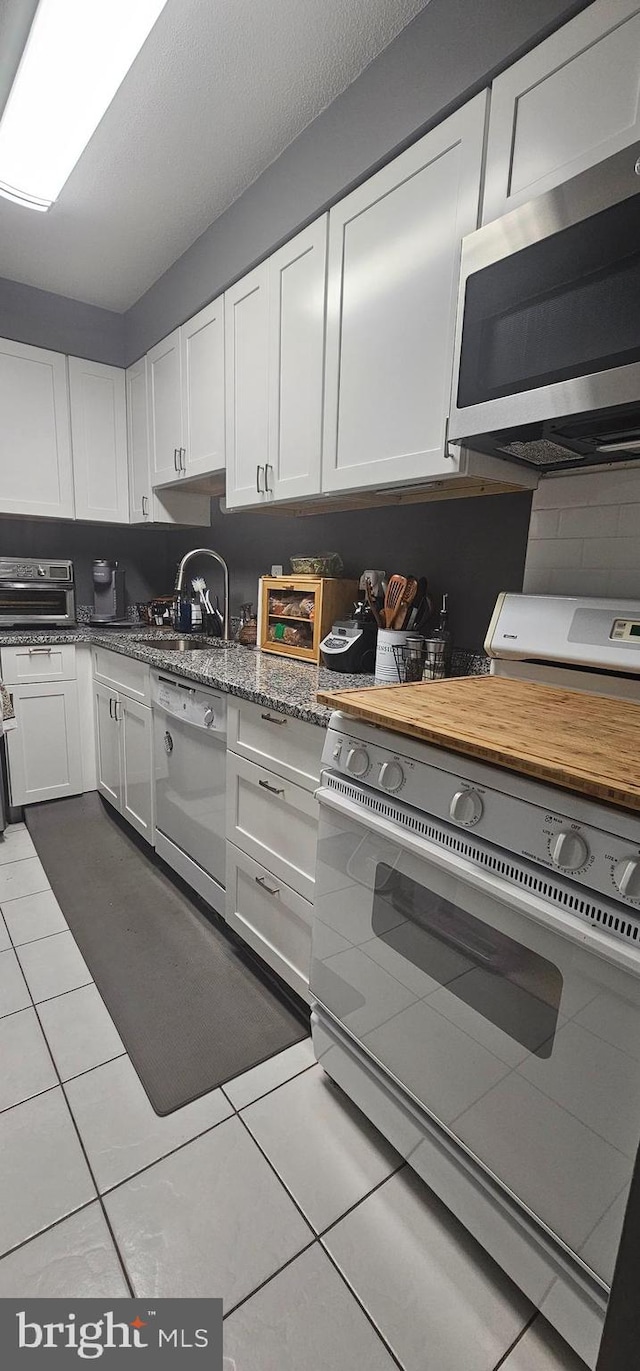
point(36, 592)
point(547, 355)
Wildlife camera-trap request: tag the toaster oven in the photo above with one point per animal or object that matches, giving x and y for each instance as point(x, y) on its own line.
point(36, 592)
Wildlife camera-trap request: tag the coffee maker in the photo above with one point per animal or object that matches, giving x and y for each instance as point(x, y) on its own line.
point(108, 596)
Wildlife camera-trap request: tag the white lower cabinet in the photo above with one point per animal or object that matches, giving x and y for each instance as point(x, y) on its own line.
point(107, 744)
point(274, 821)
point(44, 753)
point(273, 766)
point(271, 917)
point(124, 756)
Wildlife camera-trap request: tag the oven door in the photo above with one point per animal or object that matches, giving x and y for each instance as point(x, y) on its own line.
point(512, 1023)
point(36, 602)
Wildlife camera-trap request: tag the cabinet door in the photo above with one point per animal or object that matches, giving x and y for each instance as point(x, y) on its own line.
point(165, 401)
point(394, 254)
point(136, 761)
point(99, 439)
point(565, 106)
point(138, 442)
point(202, 362)
point(45, 761)
point(297, 309)
point(107, 744)
point(246, 309)
point(35, 437)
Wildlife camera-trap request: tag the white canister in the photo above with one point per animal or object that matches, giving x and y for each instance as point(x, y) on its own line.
point(386, 664)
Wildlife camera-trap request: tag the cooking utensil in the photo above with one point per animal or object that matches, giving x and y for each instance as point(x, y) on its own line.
point(394, 593)
point(402, 612)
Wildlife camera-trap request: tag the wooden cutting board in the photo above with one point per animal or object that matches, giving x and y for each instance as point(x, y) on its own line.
point(585, 743)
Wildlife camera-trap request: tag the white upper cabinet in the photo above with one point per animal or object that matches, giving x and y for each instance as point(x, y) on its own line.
point(247, 388)
point(297, 313)
point(569, 103)
point(99, 441)
point(186, 381)
point(202, 378)
point(36, 473)
point(138, 442)
point(168, 505)
point(394, 255)
point(165, 405)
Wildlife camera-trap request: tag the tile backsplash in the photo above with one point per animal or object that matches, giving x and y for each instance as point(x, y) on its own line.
point(584, 536)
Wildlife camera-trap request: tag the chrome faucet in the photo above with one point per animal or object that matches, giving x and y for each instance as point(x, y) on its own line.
point(207, 552)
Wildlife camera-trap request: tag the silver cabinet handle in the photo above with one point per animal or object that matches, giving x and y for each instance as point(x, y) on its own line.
point(271, 719)
point(111, 706)
point(117, 707)
point(268, 489)
point(175, 458)
point(183, 460)
point(259, 488)
point(145, 506)
point(39, 651)
point(273, 789)
point(271, 890)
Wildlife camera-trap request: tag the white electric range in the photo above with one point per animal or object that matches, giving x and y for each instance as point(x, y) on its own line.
point(475, 972)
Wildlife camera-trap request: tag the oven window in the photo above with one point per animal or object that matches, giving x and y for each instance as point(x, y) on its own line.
point(29, 602)
point(566, 306)
point(511, 986)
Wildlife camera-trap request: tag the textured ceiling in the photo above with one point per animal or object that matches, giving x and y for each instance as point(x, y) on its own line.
point(220, 88)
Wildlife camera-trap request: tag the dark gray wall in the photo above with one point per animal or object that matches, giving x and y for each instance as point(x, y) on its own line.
point(52, 321)
point(471, 548)
point(143, 552)
point(450, 51)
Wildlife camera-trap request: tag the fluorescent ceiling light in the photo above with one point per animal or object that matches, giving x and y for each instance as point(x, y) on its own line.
point(77, 54)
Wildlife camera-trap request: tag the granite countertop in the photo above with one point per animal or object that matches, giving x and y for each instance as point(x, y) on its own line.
point(279, 683)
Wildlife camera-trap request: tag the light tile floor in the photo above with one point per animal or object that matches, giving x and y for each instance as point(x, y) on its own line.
point(274, 1192)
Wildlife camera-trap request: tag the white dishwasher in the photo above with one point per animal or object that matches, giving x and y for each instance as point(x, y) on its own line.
point(190, 767)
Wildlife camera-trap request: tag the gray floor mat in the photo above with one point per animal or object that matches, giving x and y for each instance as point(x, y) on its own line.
point(191, 1010)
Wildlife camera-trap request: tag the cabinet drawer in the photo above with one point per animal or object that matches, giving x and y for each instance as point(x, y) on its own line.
point(122, 673)
point(274, 821)
point(271, 917)
point(289, 747)
point(38, 662)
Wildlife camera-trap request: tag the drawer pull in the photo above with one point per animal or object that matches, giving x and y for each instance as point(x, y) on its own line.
point(271, 890)
point(271, 719)
point(274, 790)
point(39, 651)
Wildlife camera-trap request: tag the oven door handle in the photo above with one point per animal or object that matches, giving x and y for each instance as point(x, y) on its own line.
point(516, 899)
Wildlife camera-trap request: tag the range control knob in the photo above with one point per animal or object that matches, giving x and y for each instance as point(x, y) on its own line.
point(626, 877)
point(41, 571)
point(568, 850)
point(391, 776)
point(357, 763)
point(466, 807)
point(209, 717)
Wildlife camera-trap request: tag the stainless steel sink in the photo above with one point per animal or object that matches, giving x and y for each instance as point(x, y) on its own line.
point(190, 644)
